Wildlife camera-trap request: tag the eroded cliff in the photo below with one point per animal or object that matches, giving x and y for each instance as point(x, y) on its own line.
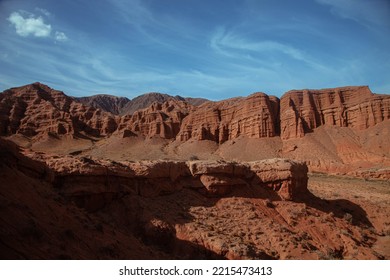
point(356, 107)
point(255, 116)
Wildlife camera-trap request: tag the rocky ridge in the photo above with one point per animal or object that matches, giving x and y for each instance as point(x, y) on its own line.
point(108, 103)
point(124, 106)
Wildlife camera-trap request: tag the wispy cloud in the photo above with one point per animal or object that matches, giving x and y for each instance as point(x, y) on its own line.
point(29, 25)
point(375, 12)
point(226, 40)
point(233, 45)
point(155, 27)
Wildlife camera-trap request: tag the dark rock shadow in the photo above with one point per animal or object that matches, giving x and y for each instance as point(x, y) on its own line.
point(341, 208)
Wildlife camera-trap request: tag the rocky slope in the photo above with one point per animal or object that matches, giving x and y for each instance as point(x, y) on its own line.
point(176, 210)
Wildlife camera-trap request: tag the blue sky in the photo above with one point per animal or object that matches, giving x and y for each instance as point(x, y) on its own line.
point(212, 49)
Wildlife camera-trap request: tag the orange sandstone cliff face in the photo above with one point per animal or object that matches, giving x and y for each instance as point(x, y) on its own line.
point(255, 116)
point(356, 107)
point(296, 114)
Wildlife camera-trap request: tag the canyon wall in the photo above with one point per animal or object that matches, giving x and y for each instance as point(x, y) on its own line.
point(356, 107)
point(255, 116)
point(297, 113)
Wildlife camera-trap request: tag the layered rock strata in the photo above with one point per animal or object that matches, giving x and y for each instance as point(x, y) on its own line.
point(163, 120)
point(255, 117)
point(77, 176)
point(36, 110)
point(357, 107)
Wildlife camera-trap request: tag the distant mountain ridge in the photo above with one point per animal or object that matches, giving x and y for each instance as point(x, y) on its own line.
point(124, 106)
point(108, 103)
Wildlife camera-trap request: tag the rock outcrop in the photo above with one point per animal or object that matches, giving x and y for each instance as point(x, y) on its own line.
point(357, 107)
point(78, 176)
point(255, 117)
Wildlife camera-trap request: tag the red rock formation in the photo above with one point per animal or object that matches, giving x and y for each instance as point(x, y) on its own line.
point(288, 179)
point(162, 120)
point(255, 116)
point(355, 107)
point(36, 109)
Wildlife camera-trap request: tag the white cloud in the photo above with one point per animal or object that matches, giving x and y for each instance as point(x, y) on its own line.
point(30, 25)
point(60, 36)
point(27, 24)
